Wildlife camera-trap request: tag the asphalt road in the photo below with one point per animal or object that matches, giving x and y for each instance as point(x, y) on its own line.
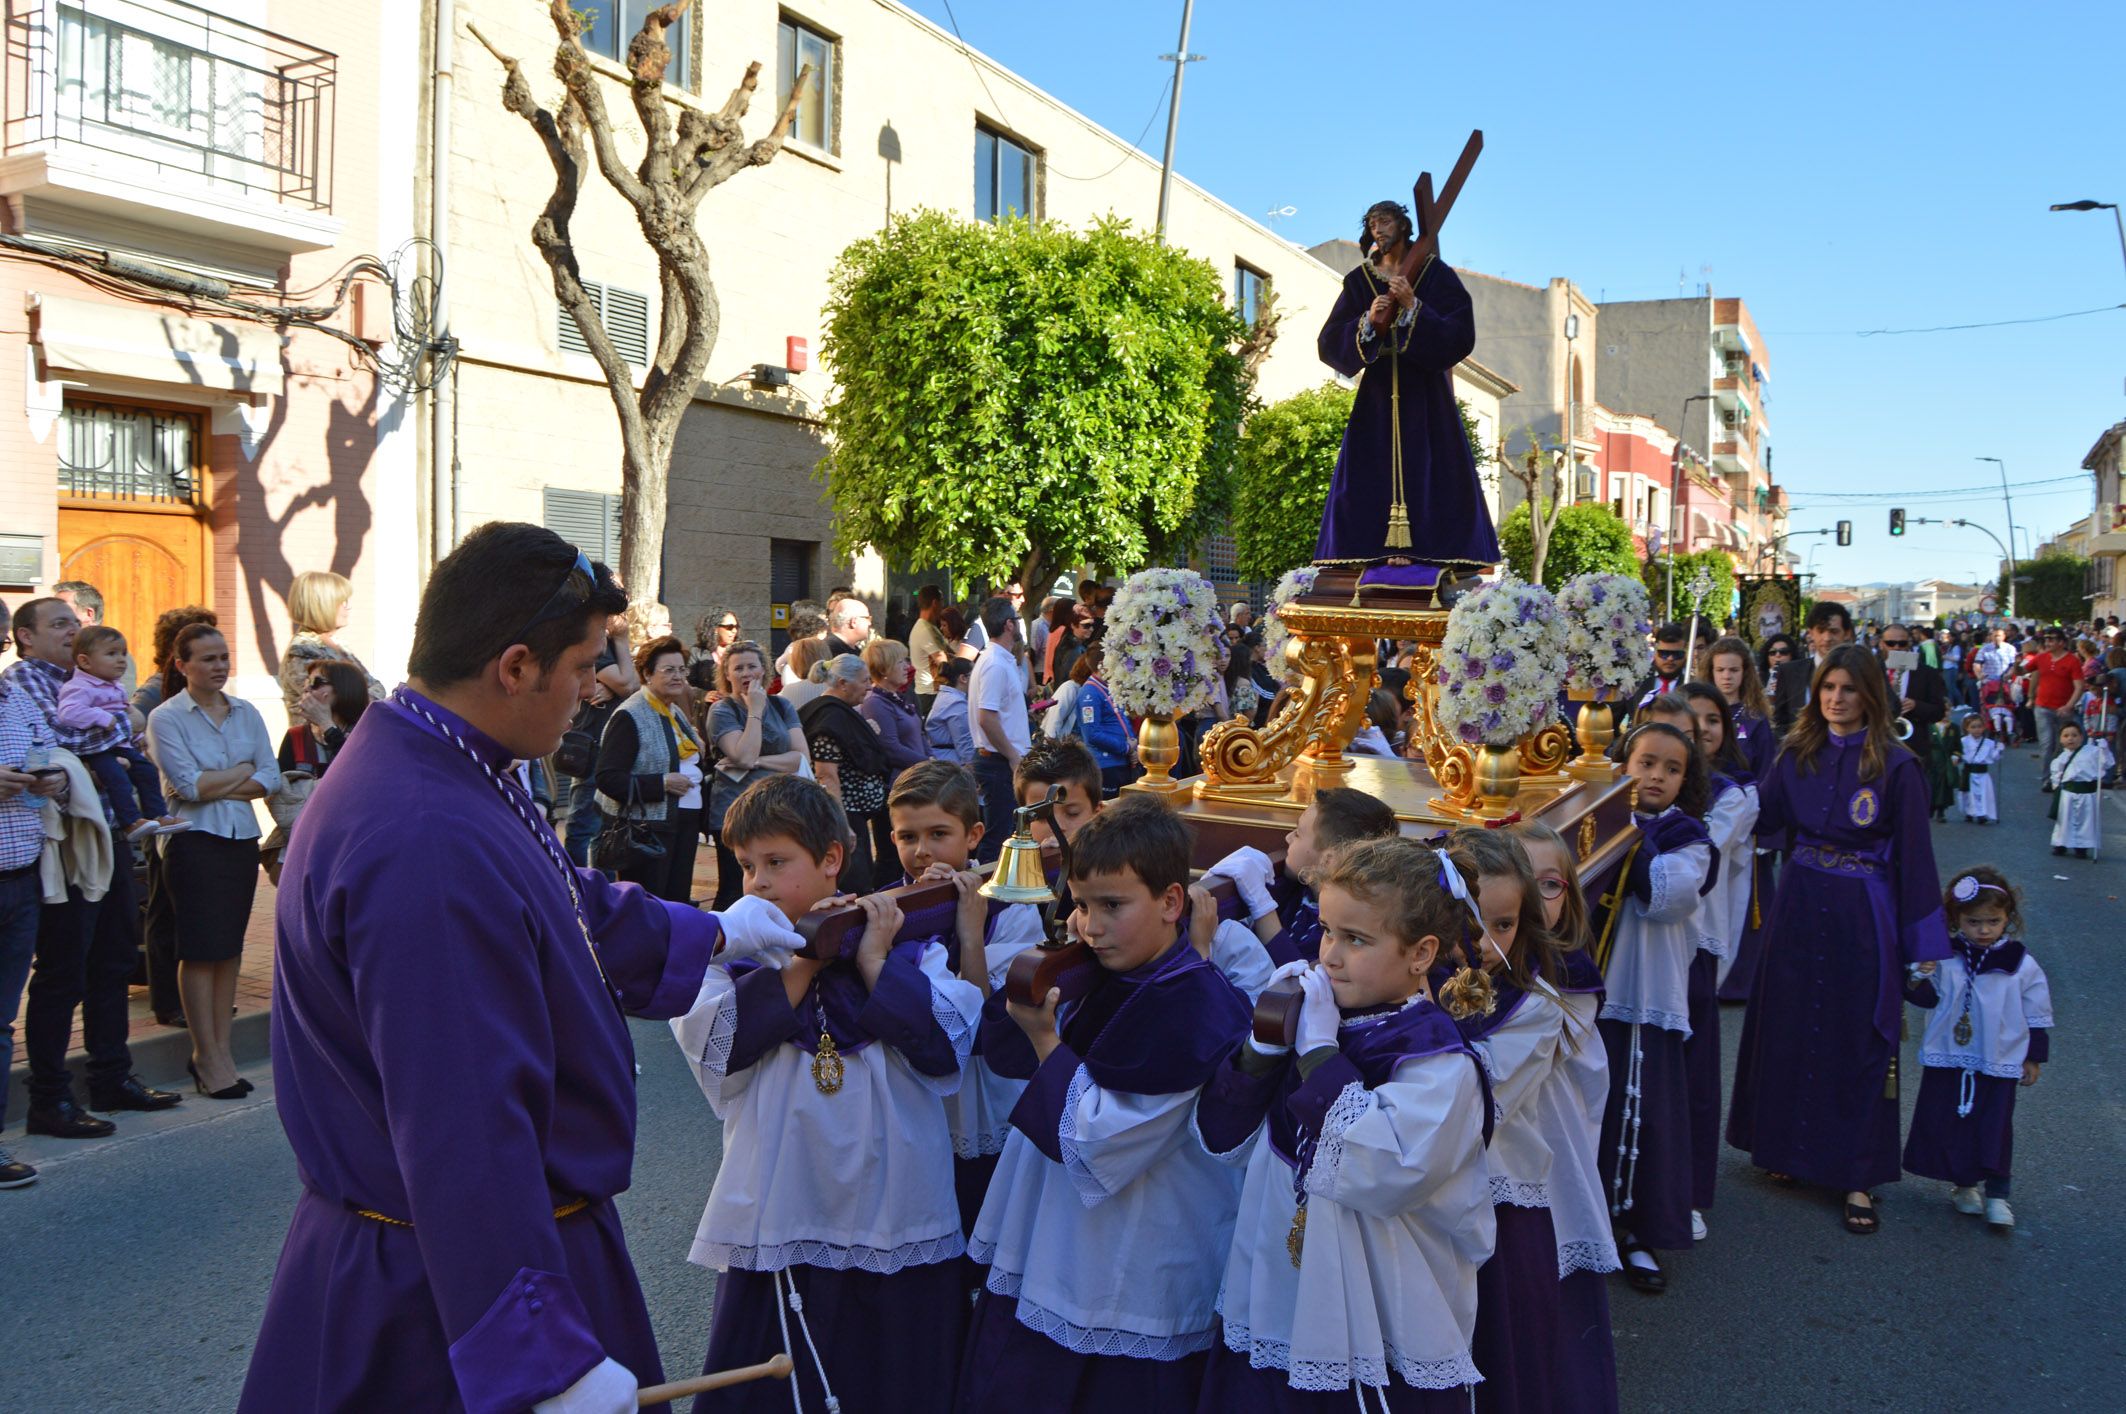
point(135, 1271)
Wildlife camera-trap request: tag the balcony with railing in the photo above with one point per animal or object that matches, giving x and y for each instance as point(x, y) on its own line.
point(172, 116)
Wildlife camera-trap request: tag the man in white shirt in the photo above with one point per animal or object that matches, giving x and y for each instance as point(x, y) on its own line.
point(926, 644)
point(996, 700)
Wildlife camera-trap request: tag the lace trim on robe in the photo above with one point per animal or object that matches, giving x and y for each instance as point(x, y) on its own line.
point(1095, 1340)
point(1091, 1191)
point(1519, 1192)
point(723, 1031)
point(959, 1033)
point(980, 1146)
point(1663, 884)
point(1349, 1108)
point(1951, 1060)
point(1586, 1255)
point(829, 1257)
point(1370, 1370)
point(1648, 1016)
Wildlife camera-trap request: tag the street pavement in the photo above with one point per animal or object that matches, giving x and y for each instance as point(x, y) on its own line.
point(134, 1273)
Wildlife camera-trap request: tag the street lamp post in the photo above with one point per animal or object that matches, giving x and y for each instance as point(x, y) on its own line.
point(2110, 206)
point(1182, 58)
point(1675, 497)
point(2009, 504)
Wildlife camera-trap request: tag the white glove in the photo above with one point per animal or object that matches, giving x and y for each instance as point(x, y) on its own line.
point(1318, 1016)
point(755, 928)
point(1297, 968)
point(608, 1389)
point(1250, 869)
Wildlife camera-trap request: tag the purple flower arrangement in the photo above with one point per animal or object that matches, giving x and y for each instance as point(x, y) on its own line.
point(1501, 661)
point(1166, 625)
point(1605, 634)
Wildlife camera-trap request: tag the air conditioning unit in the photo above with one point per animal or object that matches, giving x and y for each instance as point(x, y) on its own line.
point(1733, 418)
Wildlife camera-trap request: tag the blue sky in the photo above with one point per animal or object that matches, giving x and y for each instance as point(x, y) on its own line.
point(1844, 167)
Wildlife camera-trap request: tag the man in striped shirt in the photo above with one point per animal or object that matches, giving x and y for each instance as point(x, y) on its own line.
point(23, 798)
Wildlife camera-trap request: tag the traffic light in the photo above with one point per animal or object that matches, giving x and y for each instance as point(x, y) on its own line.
point(1845, 532)
point(1897, 520)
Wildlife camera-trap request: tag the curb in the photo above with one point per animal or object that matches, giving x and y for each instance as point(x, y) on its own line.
point(159, 1059)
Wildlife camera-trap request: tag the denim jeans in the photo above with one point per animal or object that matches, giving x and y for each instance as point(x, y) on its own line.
point(2049, 722)
point(583, 822)
point(85, 954)
point(993, 773)
point(21, 903)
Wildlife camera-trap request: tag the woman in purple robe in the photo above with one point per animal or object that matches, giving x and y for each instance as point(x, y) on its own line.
point(1815, 1096)
point(453, 1063)
point(1405, 489)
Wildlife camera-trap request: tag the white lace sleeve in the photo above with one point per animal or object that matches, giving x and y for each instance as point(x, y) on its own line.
point(1387, 1151)
point(705, 1034)
point(1110, 1138)
point(1676, 876)
point(956, 1007)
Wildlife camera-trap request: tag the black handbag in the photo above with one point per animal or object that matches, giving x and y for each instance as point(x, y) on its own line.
point(628, 843)
point(577, 755)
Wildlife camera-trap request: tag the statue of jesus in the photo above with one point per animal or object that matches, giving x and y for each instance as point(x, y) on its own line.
point(1405, 490)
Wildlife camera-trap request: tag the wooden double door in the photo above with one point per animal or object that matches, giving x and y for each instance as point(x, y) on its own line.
point(144, 557)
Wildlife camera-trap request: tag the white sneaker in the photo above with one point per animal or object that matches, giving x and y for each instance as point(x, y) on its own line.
point(172, 825)
point(1998, 1213)
point(1697, 1226)
point(1967, 1200)
point(141, 829)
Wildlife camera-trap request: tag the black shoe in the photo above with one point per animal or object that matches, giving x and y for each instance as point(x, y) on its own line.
point(175, 1019)
point(1651, 1280)
point(63, 1119)
point(2081, 854)
point(13, 1173)
point(2059, 849)
point(130, 1094)
point(227, 1092)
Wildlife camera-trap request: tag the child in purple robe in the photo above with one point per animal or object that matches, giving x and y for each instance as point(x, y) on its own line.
point(1731, 821)
point(1989, 1031)
point(936, 813)
point(1367, 1208)
point(1105, 1226)
point(1815, 1097)
point(1569, 1118)
point(834, 1198)
point(1284, 915)
point(1517, 1037)
point(1645, 1021)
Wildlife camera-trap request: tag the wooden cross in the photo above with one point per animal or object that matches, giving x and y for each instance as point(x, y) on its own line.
point(1431, 213)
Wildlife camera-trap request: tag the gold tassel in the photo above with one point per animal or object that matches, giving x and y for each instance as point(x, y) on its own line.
point(1756, 918)
point(1889, 1085)
point(1398, 527)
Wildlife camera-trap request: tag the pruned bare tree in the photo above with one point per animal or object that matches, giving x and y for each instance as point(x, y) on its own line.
point(687, 153)
point(1536, 468)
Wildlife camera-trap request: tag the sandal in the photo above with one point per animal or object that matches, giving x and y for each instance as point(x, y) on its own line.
point(1861, 1222)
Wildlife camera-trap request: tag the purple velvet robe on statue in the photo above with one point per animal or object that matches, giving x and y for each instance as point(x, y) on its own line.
point(447, 1056)
point(1859, 901)
point(1407, 385)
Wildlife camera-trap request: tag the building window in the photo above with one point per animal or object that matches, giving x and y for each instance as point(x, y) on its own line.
point(813, 123)
point(1003, 177)
point(588, 520)
point(1249, 287)
point(613, 24)
point(109, 452)
point(625, 315)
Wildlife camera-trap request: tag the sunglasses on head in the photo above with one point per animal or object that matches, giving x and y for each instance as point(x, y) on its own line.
point(560, 604)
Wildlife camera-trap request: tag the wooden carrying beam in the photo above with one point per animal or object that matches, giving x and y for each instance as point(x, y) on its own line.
point(928, 908)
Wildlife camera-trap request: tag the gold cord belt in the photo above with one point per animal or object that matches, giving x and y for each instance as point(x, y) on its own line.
point(566, 1210)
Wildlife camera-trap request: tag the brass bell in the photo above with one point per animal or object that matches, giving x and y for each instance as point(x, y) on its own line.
point(1020, 876)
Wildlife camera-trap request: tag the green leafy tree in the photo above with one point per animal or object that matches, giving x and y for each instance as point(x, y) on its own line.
point(2055, 590)
point(1281, 481)
point(1012, 397)
point(1587, 538)
point(1717, 563)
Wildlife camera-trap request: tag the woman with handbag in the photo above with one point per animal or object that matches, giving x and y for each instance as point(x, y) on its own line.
point(838, 735)
point(650, 769)
point(333, 700)
point(756, 735)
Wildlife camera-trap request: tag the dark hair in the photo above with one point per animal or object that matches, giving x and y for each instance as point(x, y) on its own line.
point(955, 673)
point(929, 597)
point(1810, 731)
point(657, 648)
point(1483, 854)
point(1136, 835)
point(1060, 613)
point(1668, 704)
point(28, 612)
point(1752, 696)
point(1671, 633)
point(952, 623)
point(1729, 757)
point(1381, 208)
point(171, 622)
point(1343, 816)
point(705, 626)
point(996, 613)
point(789, 806)
point(94, 637)
point(1089, 662)
point(1697, 790)
point(945, 784)
point(1055, 763)
point(481, 599)
point(85, 594)
point(1990, 880)
point(350, 690)
point(1823, 612)
point(173, 674)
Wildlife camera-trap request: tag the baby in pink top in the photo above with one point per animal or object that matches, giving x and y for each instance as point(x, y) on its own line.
point(92, 701)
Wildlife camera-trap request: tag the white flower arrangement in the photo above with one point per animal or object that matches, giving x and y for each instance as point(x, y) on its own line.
point(1274, 633)
point(1500, 663)
point(1161, 651)
point(1605, 634)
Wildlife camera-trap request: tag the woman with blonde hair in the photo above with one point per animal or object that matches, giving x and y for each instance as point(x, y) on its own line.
point(319, 605)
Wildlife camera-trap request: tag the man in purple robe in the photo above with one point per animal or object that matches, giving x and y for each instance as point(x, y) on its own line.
point(1405, 490)
point(454, 1068)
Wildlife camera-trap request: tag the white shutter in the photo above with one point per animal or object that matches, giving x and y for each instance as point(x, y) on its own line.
point(589, 520)
point(627, 320)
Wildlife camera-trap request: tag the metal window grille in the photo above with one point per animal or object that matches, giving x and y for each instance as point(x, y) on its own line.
point(115, 453)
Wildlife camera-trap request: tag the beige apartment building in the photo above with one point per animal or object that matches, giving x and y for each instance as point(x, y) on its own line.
point(901, 115)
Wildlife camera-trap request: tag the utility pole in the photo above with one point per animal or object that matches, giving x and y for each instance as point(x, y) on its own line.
point(1182, 58)
point(2010, 506)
